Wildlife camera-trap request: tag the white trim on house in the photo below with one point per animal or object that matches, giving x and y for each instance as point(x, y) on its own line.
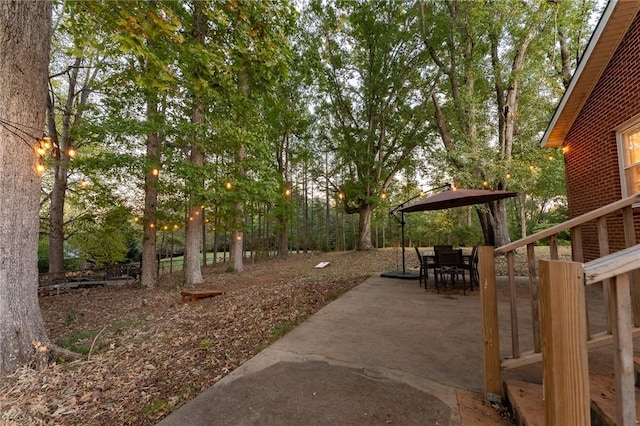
point(621, 130)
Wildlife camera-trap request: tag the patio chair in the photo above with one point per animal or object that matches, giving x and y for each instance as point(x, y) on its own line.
point(471, 265)
point(442, 247)
point(424, 273)
point(450, 263)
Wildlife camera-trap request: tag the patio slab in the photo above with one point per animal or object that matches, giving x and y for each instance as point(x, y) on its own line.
point(386, 352)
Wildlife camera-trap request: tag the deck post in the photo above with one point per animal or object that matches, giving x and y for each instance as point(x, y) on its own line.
point(490, 326)
point(564, 350)
point(629, 241)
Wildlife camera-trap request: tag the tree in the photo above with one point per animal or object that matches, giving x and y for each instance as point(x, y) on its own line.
point(192, 271)
point(489, 57)
point(74, 67)
point(374, 83)
point(25, 38)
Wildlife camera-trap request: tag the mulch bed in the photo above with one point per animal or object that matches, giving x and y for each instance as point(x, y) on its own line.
point(147, 354)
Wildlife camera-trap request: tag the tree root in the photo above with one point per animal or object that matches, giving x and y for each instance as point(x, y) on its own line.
point(58, 352)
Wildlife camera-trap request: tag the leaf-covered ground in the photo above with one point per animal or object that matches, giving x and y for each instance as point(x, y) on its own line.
point(147, 354)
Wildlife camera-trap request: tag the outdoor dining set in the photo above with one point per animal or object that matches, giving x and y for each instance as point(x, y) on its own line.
point(448, 265)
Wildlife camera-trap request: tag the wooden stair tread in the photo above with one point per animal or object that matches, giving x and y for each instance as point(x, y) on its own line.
point(526, 402)
point(603, 399)
point(528, 407)
point(474, 411)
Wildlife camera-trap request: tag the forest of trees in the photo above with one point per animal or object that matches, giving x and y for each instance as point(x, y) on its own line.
point(249, 126)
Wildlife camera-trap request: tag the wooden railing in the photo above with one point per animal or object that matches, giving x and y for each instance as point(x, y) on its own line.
point(494, 363)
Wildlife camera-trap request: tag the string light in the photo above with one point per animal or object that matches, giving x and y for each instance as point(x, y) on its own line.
point(228, 185)
point(165, 227)
point(383, 195)
point(340, 195)
point(175, 226)
point(83, 184)
point(287, 192)
point(71, 152)
point(508, 175)
point(46, 142)
point(485, 183)
point(155, 171)
point(531, 167)
point(239, 238)
point(565, 149)
point(40, 168)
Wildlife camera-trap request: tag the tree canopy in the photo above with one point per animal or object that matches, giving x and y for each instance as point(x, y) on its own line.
point(264, 127)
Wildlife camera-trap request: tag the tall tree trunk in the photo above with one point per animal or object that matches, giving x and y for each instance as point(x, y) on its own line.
point(366, 212)
point(25, 40)
point(60, 168)
point(501, 222)
point(149, 275)
point(236, 250)
point(283, 237)
point(193, 236)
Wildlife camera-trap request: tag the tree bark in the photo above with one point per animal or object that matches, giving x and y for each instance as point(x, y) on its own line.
point(236, 250)
point(283, 237)
point(192, 269)
point(149, 275)
point(25, 39)
point(60, 169)
point(366, 211)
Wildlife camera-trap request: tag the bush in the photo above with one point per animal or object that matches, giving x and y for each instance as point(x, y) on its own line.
point(466, 236)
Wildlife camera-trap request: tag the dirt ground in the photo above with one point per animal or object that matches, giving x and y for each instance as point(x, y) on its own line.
point(146, 354)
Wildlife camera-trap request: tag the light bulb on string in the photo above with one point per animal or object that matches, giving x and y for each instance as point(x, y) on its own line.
point(40, 168)
point(155, 171)
point(46, 142)
point(71, 152)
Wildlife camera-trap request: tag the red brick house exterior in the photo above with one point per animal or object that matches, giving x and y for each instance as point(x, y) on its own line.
point(593, 120)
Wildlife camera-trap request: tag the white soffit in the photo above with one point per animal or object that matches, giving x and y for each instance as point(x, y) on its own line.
point(611, 29)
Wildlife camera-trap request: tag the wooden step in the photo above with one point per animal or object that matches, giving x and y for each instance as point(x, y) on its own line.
point(525, 399)
point(603, 400)
point(527, 405)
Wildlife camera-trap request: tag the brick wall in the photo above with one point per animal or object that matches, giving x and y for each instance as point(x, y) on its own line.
point(591, 162)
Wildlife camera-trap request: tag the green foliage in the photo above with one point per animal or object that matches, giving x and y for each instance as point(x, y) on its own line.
point(102, 239)
point(204, 344)
point(373, 76)
point(43, 255)
point(466, 236)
